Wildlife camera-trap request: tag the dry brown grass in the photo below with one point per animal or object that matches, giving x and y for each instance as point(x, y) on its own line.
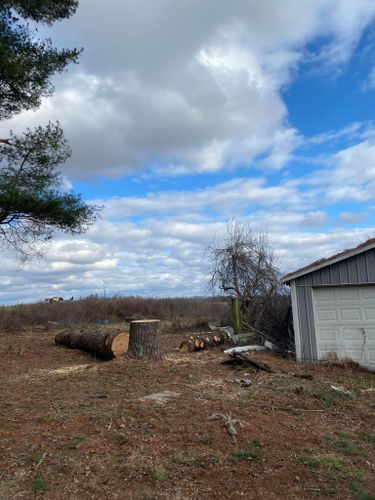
point(178, 313)
point(73, 427)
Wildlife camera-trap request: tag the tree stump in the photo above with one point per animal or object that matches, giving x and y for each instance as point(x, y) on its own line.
point(144, 339)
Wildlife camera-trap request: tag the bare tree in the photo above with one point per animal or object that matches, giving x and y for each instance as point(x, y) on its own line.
point(243, 265)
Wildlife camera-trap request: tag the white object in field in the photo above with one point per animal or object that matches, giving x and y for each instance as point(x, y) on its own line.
point(245, 348)
point(341, 389)
point(269, 345)
point(160, 398)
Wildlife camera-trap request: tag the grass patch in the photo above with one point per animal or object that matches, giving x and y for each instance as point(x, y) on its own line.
point(337, 466)
point(196, 459)
point(290, 410)
point(360, 493)
point(119, 438)
point(344, 445)
point(217, 459)
point(252, 451)
point(367, 437)
point(157, 474)
point(190, 459)
point(327, 396)
point(205, 439)
point(75, 442)
point(331, 462)
point(39, 483)
point(31, 459)
point(146, 495)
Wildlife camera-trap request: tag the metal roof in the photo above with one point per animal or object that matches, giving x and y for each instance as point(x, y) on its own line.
point(319, 264)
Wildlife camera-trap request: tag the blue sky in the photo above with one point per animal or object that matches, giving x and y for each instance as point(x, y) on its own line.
point(181, 118)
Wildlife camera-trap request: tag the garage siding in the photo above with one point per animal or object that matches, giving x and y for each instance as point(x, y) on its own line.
point(356, 270)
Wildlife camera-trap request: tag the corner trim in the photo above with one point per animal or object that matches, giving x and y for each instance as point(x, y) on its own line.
point(297, 333)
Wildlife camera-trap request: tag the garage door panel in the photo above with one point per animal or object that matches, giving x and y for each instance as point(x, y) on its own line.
point(368, 292)
point(352, 335)
point(348, 293)
point(326, 295)
point(350, 314)
point(327, 334)
point(369, 312)
point(327, 315)
point(355, 354)
point(345, 322)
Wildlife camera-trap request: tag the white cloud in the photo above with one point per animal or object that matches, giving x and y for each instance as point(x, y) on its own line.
point(369, 84)
point(187, 86)
point(159, 256)
point(317, 218)
point(351, 217)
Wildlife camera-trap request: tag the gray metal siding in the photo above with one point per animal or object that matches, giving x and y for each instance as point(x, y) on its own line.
point(359, 269)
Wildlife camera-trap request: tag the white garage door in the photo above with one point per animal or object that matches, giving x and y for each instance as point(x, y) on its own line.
point(345, 322)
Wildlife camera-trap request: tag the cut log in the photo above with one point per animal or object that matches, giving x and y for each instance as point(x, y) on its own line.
point(198, 341)
point(144, 339)
point(186, 346)
point(102, 345)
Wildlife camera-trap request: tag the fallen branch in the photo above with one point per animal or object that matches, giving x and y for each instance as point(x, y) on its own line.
point(240, 359)
point(40, 461)
point(230, 423)
point(305, 376)
point(6, 470)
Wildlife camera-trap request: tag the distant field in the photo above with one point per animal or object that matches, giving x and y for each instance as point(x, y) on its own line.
point(180, 313)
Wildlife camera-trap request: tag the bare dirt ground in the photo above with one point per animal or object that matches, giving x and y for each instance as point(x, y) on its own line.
point(76, 428)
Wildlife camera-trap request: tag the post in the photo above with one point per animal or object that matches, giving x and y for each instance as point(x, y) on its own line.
point(144, 339)
point(235, 315)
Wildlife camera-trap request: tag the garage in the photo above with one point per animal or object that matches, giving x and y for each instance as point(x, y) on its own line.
point(345, 322)
point(333, 302)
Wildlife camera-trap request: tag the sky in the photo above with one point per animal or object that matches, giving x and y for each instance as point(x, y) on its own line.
point(184, 115)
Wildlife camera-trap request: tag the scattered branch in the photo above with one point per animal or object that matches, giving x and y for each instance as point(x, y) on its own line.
point(230, 423)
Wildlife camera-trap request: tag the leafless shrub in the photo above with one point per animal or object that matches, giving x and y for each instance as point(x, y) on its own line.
point(243, 265)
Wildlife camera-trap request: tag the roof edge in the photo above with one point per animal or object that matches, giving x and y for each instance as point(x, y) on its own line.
point(326, 262)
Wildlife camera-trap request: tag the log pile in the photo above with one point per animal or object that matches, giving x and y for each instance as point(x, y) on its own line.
point(102, 345)
point(200, 341)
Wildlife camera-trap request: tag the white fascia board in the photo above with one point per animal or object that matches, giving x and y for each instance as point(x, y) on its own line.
point(298, 274)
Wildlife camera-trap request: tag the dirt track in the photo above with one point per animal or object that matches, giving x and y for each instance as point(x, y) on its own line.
point(75, 428)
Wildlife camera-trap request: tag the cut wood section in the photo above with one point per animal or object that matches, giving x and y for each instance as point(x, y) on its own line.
point(100, 344)
point(198, 342)
point(186, 346)
point(144, 339)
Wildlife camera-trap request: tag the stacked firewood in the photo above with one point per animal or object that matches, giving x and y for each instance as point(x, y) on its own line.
point(200, 341)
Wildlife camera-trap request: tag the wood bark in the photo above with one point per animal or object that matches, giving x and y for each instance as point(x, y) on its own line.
point(198, 342)
point(144, 339)
point(102, 345)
